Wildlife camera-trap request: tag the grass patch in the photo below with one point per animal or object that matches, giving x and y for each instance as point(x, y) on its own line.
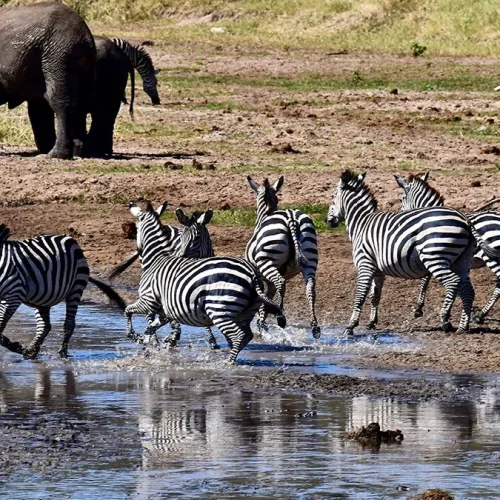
point(15, 127)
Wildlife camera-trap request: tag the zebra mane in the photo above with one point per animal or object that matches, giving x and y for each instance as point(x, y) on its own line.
point(4, 233)
point(134, 51)
point(352, 182)
point(425, 185)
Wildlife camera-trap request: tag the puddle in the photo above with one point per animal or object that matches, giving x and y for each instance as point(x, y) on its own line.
point(113, 424)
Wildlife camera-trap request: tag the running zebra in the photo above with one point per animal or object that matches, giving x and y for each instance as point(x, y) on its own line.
point(195, 243)
point(41, 272)
point(225, 292)
point(142, 62)
point(407, 245)
point(284, 244)
point(418, 193)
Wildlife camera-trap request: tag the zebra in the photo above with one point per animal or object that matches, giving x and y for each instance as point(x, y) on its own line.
point(142, 62)
point(407, 245)
point(221, 291)
point(418, 193)
point(196, 243)
point(42, 272)
point(283, 244)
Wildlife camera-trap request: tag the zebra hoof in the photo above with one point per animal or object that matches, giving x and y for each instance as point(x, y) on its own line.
point(281, 321)
point(478, 318)
point(371, 326)
point(447, 327)
point(418, 313)
point(214, 347)
point(349, 332)
point(169, 342)
point(461, 331)
point(31, 352)
point(16, 347)
point(316, 332)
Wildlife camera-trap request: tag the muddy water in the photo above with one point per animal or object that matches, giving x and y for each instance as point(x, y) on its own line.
point(121, 421)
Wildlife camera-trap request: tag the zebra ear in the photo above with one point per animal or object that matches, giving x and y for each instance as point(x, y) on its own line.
point(425, 176)
point(361, 176)
point(182, 217)
point(401, 182)
point(161, 209)
point(205, 217)
point(279, 183)
point(157, 71)
point(253, 184)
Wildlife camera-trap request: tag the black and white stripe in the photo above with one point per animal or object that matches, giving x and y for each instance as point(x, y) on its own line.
point(191, 241)
point(284, 244)
point(417, 192)
point(407, 245)
point(142, 62)
point(41, 272)
point(225, 292)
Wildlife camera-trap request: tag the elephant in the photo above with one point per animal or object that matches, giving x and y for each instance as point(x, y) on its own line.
point(48, 59)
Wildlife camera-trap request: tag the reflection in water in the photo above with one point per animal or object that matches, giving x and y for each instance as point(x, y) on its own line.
point(177, 432)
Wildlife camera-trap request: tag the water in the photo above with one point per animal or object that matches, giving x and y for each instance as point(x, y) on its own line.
point(174, 424)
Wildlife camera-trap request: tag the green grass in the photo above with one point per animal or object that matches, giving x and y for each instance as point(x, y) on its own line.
point(245, 217)
point(442, 27)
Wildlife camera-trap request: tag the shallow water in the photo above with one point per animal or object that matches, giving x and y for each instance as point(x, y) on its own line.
point(160, 426)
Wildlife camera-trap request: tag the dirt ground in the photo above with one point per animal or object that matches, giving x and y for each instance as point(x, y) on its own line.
point(368, 130)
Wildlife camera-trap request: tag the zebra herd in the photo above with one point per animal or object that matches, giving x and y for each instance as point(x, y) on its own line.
point(182, 282)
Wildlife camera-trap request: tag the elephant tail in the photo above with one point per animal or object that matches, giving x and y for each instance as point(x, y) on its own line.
point(132, 91)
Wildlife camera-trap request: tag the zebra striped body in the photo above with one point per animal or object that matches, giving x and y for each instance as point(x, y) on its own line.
point(41, 272)
point(192, 241)
point(404, 245)
point(284, 244)
point(142, 62)
point(418, 193)
point(225, 292)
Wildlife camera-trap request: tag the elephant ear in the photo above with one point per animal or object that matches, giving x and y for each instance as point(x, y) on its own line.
point(157, 71)
point(4, 233)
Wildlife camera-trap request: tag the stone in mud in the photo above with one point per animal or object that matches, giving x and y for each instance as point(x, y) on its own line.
point(371, 435)
point(434, 494)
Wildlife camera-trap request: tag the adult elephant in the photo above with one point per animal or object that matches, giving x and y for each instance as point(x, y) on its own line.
point(47, 58)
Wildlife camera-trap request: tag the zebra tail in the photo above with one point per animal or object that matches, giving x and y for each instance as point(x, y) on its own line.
point(109, 292)
point(492, 253)
point(132, 91)
point(269, 305)
point(123, 266)
point(300, 258)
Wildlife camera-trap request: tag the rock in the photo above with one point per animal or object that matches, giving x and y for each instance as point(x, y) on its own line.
point(434, 494)
point(129, 230)
point(475, 184)
point(394, 91)
point(170, 165)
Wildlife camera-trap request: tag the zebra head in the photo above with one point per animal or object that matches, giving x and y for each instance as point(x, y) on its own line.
point(267, 196)
point(150, 234)
point(150, 86)
point(417, 193)
point(195, 239)
point(349, 192)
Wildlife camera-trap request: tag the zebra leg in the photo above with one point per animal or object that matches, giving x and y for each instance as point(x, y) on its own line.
point(311, 298)
point(138, 307)
point(72, 303)
point(418, 312)
point(365, 277)
point(238, 335)
point(261, 321)
point(479, 317)
point(451, 282)
point(377, 284)
point(175, 334)
point(467, 295)
point(7, 309)
point(275, 279)
point(43, 328)
point(209, 337)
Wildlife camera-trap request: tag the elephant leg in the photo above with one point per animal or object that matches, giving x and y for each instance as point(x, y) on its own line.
point(42, 123)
